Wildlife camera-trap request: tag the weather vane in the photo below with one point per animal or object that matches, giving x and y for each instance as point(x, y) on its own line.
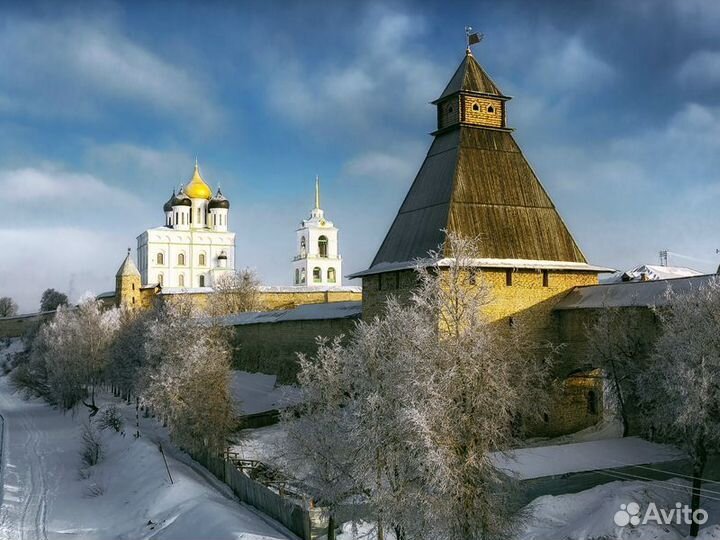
point(472, 37)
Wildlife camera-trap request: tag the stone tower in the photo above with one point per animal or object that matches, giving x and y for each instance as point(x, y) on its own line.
point(317, 262)
point(127, 284)
point(476, 182)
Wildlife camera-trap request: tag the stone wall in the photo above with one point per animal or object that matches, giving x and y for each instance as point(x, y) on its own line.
point(272, 347)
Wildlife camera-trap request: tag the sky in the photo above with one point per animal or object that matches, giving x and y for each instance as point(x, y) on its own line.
point(105, 105)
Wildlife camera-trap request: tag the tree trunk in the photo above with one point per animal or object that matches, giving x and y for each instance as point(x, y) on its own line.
point(331, 528)
point(698, 469)
point(621, 401)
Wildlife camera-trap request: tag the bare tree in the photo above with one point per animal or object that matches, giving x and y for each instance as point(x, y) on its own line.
point(619, 345)
point(8, 307)
point(680, 392)
point(234, 293)
point(421, 398)
point(52, 299)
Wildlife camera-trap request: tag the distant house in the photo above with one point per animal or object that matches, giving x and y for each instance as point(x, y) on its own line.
point(648, 272)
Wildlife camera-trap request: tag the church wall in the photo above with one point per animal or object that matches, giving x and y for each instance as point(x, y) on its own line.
point(482, 115)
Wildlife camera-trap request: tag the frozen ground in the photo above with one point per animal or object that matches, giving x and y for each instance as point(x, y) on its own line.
point(127, 496)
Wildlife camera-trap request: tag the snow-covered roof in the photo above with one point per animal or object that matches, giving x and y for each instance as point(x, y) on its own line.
point(106, 294)
point(649, 272)
point(309, 288)
point(485, 263)
point(307, 312)
point(629, 293)
point(257, 392)
point(538, 462)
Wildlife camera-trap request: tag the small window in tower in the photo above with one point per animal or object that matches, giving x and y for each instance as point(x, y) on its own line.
point(303, 247)
point(214, 219)
point(302, 276)
point(201, 259)
point(201, 281)
point(176, 217)
point(323, 246)
point(331, 275)
point(160, 258)
point(133, 286)
point(546, 278)
point(297, 277)
point(317, 275)
point(508, 277)
point(450, 109)
point(476, 107)
point(160, 279)
point(198, 216)
point(181, 280)
point(181, 259)
point(491, 109)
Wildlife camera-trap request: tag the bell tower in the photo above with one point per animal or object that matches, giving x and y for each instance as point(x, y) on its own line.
point(317, 262)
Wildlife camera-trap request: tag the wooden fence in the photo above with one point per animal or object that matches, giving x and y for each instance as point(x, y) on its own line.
point(293, 516)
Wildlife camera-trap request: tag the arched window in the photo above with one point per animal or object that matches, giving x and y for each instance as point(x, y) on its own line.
point(214, 219)
point(133, 286)
point(592, 405)
point(297, 276)
point(476, 107)
point(331, 275)
point(317, 275)
point(160, 258)
point(201, 281)
point(160, 279)
point(303, 247)
point(201, 259)
point(199, 219)
point(302, 276)
point(491, 109)
point(181, 280)
point(323, 246)
point(181, 259)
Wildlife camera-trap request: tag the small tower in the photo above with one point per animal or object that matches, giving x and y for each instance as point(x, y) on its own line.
point(181, 207)
point(127, 284)
point(318, 262)
point(218, 209)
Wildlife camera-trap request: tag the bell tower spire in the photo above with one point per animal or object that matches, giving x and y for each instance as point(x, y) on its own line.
point(317, 192)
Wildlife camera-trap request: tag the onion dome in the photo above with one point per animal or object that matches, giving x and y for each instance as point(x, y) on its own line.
point(219, 201)
point(181, 199)
point(167, 207)
point(197, 188)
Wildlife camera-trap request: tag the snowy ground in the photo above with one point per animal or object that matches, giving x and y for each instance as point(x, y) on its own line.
point(258, 392)
point(127, 496)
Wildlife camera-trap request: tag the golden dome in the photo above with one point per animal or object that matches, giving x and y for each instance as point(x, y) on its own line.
point(197, 188)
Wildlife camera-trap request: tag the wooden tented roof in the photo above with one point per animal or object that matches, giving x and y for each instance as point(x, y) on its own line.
point(470, 77)
point(476, 182)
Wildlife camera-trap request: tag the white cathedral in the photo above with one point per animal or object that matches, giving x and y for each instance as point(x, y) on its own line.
point(194, 247)
point(318, 262)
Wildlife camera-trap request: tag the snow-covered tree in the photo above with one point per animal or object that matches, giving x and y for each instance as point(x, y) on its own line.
point(234, 293)
point(69, 354)
point(8, 307)
point(619, 345)
point(127, 352)
point(407, 413)
point(186, 378)
point(680, 392)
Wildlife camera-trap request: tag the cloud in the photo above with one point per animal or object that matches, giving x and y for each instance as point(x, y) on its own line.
point(135, 161)
point(379, 76)
point(32, 186)
point(700, 70)
point(384, 166)
point(71, 67)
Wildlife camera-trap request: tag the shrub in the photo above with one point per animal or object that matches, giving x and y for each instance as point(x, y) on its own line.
point(111, 418)
point(92, 450)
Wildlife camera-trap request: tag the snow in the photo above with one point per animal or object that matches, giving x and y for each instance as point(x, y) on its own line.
point(257, 392)
point(14, 346)
point(47, 496)
point(538, 462)
point(306, 312)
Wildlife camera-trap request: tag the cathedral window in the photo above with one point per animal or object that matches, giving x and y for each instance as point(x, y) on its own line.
point(331, 275)
point(297, 277)
point(160, 258)
point(201, 259)
point(303, 247)
point(214, 219)
point(181, 259)
point(176, 218)
point(302, 276)
point(317, 275)
point(201, 281)
point(323, 246)
point(181, 280)
point(199, 220)
point(160, 279)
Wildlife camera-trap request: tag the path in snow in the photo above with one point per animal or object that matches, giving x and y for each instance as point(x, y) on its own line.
point(46, 498)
